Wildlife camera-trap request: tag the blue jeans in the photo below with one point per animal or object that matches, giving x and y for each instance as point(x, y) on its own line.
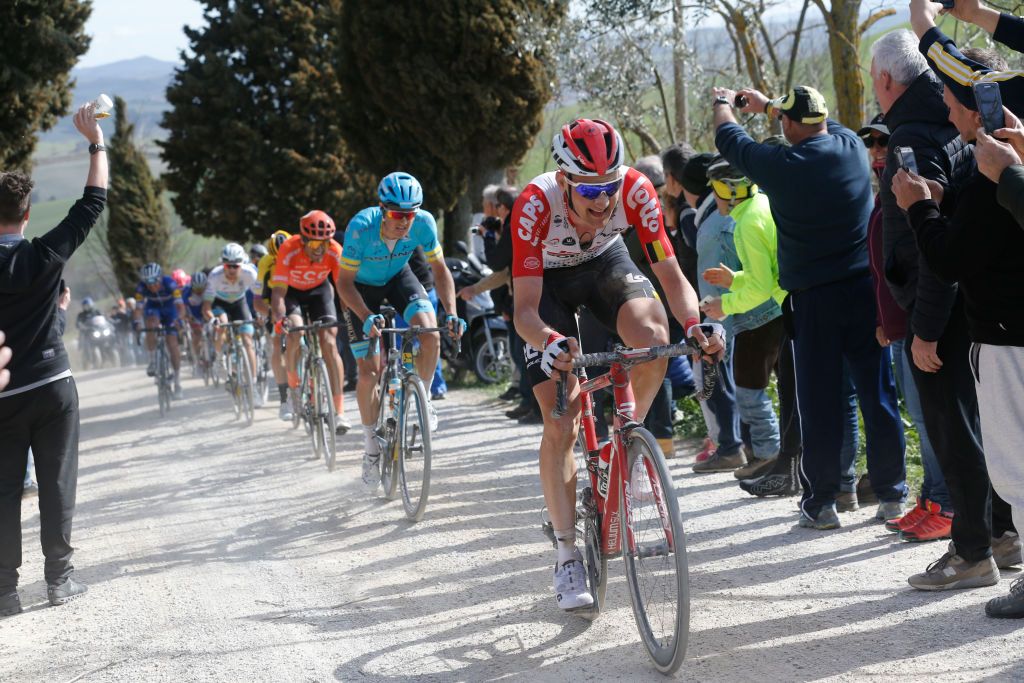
point(933, 487)
point(756, 410)
point(723, 405)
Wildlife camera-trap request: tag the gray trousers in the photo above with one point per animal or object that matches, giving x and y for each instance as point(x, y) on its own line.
point(999, 378)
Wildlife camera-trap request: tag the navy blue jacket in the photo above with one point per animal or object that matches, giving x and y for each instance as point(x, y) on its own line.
point(821, 197)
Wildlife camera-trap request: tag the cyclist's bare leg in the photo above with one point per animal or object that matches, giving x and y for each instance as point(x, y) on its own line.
point(430, 347)
point(220, 333)
point(277, 360)
point(151, 336)
point(292, 350)
point(251, 352)
point(366, 388)
point(642, 323)
point(335, 370)
point(557, 465)
point(197, 340)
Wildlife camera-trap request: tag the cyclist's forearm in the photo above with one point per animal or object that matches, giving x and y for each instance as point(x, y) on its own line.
point(682, 300)
point(277, 303)
point(530, 327)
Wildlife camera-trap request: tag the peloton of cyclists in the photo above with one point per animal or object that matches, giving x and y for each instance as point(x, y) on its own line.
point(301, 284)
point(224, 300)
point(378, 244)
point(159, 302)
point(567, 254)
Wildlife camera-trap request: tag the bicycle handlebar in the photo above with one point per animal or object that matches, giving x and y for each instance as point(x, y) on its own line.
point(630, 357)
point(413, 331)
point(318, 325)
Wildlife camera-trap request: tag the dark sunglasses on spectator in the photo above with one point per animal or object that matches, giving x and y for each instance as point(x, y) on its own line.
point(398, 215)
point(870, 141)
point(592, 191)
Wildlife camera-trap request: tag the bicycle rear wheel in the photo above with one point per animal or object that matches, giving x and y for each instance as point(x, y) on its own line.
point(654, 552)
point(324, 418)
point(245, 387)
point(262, 370)
point(414, 454)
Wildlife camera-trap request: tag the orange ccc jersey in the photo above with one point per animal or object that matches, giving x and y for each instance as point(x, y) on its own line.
point(295, 269)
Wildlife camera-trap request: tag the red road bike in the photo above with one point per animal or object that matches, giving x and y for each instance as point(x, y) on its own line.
point(628, 505)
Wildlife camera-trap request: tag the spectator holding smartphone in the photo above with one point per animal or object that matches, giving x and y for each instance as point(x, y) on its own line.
point(973, 240)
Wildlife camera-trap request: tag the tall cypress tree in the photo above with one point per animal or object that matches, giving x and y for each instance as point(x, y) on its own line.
point(253, 138)
point(40, 40)
point(449, 90)
point(137, 227)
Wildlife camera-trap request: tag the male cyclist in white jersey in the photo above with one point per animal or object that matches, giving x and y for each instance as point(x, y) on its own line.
point(224, 299)
point(567, 253)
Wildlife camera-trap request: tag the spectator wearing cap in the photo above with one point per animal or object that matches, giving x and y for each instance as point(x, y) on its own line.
point(976, 242)
point(673, 161)
point(936, 347)
point(714, 243)
point(931, 517)
point(821, 198)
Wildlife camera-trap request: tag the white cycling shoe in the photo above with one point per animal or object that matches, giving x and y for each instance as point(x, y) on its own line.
point(571, 584)
point(285, 412)
point(431, 416)
point(371, 471)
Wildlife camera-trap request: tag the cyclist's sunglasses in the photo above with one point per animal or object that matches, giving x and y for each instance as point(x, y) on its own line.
point(233, 266)
point(152, 280)
point(314, 244)
point(592, 191)
point(870, 141)
point(399, 215)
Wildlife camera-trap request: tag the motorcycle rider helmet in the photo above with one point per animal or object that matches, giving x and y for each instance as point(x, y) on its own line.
point(87, 303)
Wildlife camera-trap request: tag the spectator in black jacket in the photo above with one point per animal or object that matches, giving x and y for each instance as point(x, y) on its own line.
point(910, 96)
point(39, 407)
point(975, 241)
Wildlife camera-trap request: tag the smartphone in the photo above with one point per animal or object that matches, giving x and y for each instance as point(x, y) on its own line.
point(990, 106)
point(706, 300)
point(906, 159)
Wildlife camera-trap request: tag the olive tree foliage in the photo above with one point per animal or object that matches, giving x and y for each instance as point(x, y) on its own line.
point(40, 40)
point(451, 91)
point(254, 140)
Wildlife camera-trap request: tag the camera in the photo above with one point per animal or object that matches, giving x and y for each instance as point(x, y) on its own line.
point(947, 4)
point(740, 101)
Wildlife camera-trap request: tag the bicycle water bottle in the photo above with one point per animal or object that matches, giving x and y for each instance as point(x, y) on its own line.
point(604, 459)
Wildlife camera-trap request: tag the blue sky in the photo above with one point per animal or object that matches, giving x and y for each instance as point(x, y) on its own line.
point(123, 29)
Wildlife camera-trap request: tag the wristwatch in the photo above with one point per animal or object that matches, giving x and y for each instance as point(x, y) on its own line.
point(93, 148)
point(720, 100)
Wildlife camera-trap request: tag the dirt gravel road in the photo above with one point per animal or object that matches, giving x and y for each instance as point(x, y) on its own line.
point(215, 552)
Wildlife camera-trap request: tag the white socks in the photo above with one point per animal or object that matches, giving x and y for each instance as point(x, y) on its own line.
point(370, 440)
point(566, 539)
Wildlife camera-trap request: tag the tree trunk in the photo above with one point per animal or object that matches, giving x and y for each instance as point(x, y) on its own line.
point(457, 220)
point(844, 48)
point(678, 71)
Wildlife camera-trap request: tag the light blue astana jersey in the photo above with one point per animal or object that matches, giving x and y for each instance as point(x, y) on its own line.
point(374, 263)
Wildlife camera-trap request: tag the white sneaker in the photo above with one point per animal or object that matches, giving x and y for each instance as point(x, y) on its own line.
point(431, 416)
point(571, 584)
point(257, 398)
point(285, 412)
point(371, 471)
point(341, 425)
point(177, 395)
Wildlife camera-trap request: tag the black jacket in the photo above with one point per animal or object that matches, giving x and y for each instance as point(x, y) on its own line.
point(30, 284)
point(918, 119)
point(979, 245)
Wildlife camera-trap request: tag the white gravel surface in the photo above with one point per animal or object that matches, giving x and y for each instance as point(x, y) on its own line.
point(216, 552)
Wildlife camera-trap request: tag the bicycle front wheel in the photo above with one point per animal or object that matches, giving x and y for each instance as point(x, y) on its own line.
point(324, 418)
point(388, 426)
point(309, 407)
point(245, 387)
point(414, 448)
point(163, 384)
point(654, 552)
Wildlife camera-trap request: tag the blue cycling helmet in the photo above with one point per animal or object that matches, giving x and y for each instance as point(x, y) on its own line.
point(400, 190)
point(87, 302)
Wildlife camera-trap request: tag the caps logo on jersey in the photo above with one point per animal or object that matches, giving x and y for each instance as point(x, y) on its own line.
point(530, 211)
point(640, 196)
point(531, 263)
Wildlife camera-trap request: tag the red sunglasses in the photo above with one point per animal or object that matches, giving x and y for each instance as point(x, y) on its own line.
point(399, 215)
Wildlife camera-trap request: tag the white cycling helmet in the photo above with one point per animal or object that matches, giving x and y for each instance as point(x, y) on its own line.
point(151, 271)
point(233, 253)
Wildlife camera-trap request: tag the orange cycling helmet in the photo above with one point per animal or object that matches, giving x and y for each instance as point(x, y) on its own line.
point(316, 225)
point(276, 240)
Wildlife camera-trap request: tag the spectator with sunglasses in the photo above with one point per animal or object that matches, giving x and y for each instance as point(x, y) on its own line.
point(821, 198)
point(379, 242)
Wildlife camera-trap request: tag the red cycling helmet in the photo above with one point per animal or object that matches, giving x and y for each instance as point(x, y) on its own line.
point(316, 225)
point(587, 147)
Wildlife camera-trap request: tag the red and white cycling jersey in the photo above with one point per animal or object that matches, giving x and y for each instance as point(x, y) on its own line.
point(543, 238)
